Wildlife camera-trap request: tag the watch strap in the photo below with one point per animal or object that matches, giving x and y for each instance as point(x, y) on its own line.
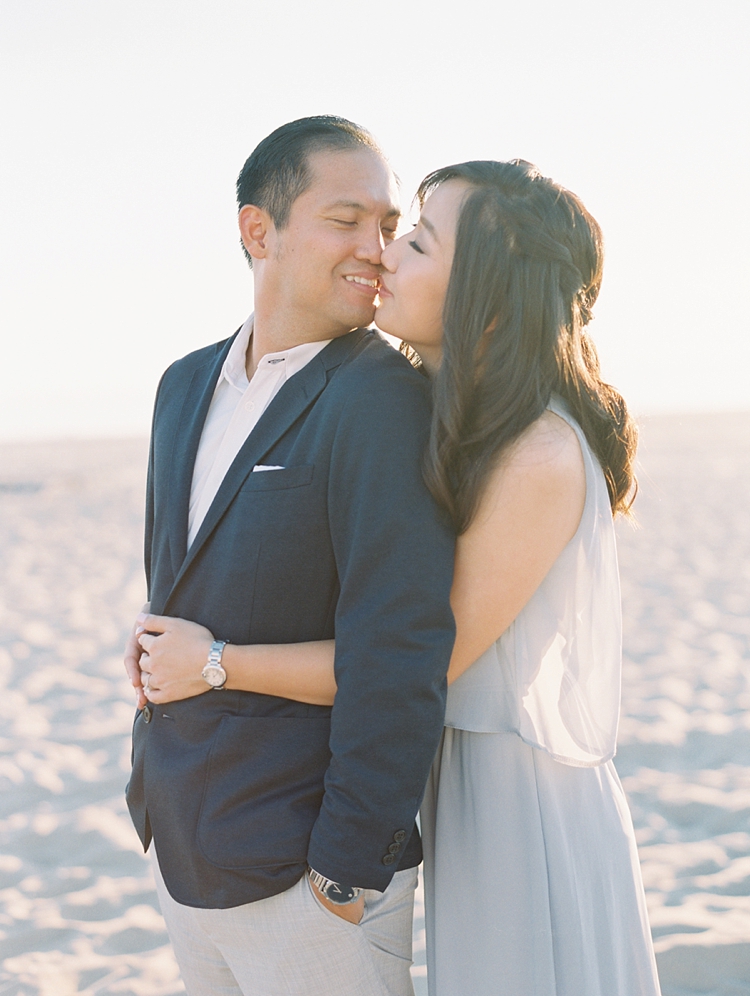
point(339, 895)
point(215, 653)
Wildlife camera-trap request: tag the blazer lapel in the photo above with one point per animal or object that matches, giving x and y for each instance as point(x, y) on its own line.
point(187, 438)
point(293, 400)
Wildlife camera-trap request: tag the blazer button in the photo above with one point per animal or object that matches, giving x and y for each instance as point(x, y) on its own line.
point(146, 714)
point(389, 859)
point(394, 848)
point(399, 836)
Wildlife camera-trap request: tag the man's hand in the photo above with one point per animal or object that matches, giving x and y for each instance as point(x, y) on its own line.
point(352, 912)
point(132, 660)
point(175, 652)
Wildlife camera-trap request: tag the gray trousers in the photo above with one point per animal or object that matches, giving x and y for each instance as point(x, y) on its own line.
point(291, 945)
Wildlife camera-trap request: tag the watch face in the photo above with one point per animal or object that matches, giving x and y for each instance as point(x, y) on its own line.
point(339, 895)
point(214, 675)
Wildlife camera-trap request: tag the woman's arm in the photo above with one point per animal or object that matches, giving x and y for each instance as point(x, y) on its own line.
point(528, 514)
point(176, 651)
point(530, 511)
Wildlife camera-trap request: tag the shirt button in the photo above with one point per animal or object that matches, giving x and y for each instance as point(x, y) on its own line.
point(399, 836)
point(394, 848)
point(389, 859)
point(249, 406)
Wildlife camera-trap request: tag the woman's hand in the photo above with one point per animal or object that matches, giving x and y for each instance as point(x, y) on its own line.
point(164, 658)
point(175, 652)
point(133, 660)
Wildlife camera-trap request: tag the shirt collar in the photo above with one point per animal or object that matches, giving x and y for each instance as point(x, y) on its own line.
point(233, 370)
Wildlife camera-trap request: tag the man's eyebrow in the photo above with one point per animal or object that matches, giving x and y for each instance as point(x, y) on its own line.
point(356, 206)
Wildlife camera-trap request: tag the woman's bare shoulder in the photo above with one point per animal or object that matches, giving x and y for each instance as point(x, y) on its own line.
point(545, 460)
point(549, 441)
point(549, 447)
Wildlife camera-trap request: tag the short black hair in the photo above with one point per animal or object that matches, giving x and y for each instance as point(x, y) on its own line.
point(277, 171)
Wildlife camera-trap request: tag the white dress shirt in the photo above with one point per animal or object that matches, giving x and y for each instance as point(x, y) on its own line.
point(236, 408)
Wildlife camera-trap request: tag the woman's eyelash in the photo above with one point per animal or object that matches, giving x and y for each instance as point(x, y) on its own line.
point(416, 248)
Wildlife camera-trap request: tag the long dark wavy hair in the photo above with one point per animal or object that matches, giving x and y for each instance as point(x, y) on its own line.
point(526, 272)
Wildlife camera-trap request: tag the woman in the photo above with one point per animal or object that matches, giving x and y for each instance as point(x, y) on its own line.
point(532, 877)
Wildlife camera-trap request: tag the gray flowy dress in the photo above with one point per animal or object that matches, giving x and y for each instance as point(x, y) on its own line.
point(532, 880)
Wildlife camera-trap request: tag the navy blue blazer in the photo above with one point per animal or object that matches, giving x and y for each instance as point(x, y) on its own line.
point(240, 791)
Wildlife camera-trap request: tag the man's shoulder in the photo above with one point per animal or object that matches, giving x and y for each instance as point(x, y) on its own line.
point(376, 391)
point(374, 364)
point(188, 364)
point(179, 375)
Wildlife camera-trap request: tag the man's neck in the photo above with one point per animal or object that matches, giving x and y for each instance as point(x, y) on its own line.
point(274, 333)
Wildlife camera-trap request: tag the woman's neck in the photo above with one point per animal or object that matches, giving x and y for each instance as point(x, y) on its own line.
point(431, 357)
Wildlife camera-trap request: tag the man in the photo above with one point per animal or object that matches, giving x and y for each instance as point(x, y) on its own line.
point(246, 795)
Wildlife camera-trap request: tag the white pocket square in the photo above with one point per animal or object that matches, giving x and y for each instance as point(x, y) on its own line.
point(263, 466)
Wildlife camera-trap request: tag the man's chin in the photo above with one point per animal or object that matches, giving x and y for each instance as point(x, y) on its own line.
point(360, 318)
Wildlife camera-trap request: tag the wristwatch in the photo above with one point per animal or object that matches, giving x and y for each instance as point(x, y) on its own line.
point(213, 673)
point(339, 895)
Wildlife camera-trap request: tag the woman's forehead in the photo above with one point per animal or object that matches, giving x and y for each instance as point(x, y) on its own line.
point(440, 211)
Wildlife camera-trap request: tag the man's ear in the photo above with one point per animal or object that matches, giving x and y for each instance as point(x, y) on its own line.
point(255, 225)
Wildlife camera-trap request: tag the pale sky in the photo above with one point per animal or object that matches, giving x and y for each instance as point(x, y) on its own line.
point(124, 125)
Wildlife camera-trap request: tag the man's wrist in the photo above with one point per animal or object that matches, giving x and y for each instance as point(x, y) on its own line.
point(335, 892)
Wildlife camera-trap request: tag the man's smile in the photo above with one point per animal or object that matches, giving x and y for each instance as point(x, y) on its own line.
point(366, 281)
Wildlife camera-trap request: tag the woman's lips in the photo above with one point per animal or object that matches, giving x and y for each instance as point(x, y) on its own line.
point(384, 292)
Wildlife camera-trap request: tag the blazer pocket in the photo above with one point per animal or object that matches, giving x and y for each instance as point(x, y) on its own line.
point(275, 480)
point(263, 789)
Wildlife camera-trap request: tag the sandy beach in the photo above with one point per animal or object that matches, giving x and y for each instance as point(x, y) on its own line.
point(78, 913)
